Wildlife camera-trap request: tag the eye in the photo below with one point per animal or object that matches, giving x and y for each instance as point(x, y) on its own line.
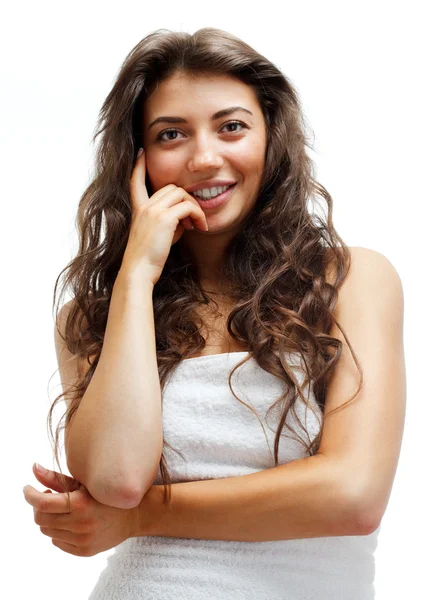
point(236, 123)
point(160, 138)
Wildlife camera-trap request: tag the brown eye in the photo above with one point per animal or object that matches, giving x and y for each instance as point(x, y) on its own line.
point(160, 138)
point(235, 123)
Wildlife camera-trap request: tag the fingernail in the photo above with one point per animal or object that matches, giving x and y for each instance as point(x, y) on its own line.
point(140, 152)
point(40, 468)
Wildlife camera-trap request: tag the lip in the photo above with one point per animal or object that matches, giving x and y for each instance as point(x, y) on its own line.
point(217, 201)
point(209, 183)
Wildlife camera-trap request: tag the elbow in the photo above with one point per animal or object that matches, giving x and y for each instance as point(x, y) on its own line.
point(107, 492)
point(362, 519)
point(127, 495)
point(368, 518)
point(117, 491)
point(352, 510)
point(124, 497)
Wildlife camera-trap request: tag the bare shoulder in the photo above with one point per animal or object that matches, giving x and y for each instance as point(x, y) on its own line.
point(60, 324)
point(64, 312)
point(372, 290)
point(69, 364)
point(62, 351)
point(367, 268)
point(62, 319)
point(370, 259)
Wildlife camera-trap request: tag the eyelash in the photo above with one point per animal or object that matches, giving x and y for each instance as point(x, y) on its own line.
point(159, 136)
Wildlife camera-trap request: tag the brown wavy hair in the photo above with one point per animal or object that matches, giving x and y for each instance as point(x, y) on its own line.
point(277, 263)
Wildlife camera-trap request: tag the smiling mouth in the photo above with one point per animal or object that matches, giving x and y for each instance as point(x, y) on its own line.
point(214, 197)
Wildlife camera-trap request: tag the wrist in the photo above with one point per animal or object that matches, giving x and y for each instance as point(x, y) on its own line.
point(147, 515)
point(130, 277)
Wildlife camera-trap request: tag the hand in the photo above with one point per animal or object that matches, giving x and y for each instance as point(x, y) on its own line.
point(156, 225)
point(90, 527)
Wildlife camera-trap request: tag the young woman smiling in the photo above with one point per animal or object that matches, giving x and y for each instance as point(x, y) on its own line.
point(183, 291)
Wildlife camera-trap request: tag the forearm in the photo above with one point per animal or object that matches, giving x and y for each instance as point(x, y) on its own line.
point(115, 441)
point(301, 499)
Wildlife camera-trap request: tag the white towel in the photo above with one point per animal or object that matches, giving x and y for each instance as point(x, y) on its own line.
point(220, 437)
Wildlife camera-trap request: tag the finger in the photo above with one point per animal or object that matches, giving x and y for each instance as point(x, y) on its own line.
point(68, 548)
point(65, 522)
point(202, 222)
point(63, 535)
point(51, 479)
point(138, 192)
point(52, 503)
point(179, 210)
point(187, 223)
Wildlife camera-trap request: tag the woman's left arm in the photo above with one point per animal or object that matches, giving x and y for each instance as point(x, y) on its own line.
point(301, 499)
point(344, 488)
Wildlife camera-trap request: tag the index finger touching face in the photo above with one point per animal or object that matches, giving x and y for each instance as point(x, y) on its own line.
point(138, 192)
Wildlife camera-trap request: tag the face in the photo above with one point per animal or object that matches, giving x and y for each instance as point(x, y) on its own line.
point(231, 147)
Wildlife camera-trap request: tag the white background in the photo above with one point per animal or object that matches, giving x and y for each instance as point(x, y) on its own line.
point(357, 68)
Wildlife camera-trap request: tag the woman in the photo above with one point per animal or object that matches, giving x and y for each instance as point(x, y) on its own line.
point(211, 265)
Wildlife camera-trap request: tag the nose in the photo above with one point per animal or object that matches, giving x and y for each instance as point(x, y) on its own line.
point(205, 156)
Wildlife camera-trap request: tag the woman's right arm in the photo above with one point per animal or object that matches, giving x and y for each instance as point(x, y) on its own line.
point(114, 441)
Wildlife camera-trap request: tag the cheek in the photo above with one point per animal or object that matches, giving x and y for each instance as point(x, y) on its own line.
point(162, 172)
point(249, 158)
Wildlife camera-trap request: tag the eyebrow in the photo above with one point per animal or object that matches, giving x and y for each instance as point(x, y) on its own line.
point(218, 115)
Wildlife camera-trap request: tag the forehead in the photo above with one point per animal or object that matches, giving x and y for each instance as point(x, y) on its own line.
point(200, 93)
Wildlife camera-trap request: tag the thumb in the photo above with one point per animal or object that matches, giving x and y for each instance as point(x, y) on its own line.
point(138, 191)
point(52, 480)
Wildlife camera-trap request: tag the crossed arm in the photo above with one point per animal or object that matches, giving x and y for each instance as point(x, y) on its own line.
point(296, 500)
point(343, 489)
point(305, 498)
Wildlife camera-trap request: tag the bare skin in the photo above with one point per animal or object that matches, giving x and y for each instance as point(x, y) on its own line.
point(188, 153)
point(205, 149)
point(232, 147)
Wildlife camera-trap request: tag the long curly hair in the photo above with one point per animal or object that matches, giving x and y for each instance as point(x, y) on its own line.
point(277, 263)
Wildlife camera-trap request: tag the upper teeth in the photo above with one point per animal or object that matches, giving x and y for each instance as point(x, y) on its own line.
point(211, 192)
